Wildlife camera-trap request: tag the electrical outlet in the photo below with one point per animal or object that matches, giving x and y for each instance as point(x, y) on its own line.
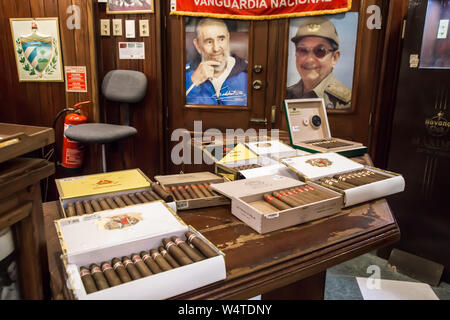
point(105, 27)
point(117, 27)
point(144, 28)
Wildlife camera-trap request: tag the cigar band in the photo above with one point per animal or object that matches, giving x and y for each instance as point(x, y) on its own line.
point(145, 257)
point(95, 270)
point(186, 187)
point(118, 264)
point(270, 198)
point(194, 187)
point(178, 241)
point(279, 196)
point(155, 255)
point(287, 194)
point(84, 272)
point(163, 252)
point(311, 188)
point(137, 259)
point(192, 237)
point(169, 244)
point(180, 188)
point(127, 262)
point(200, 186)
point(174, 188)
point(106, 266)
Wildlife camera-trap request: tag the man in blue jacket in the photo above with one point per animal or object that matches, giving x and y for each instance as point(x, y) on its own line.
point(218, 78)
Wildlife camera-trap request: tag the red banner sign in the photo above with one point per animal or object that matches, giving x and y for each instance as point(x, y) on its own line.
point(258, 9)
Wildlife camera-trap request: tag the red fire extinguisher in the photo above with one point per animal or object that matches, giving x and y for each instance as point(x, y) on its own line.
point(73, 151)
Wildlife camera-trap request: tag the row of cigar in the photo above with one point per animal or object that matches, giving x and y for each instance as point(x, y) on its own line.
point(353, 179)
point(295, 197)
point(83, 207)
point(191, 191)
point(247, 167)
point(330, 144)
point(174, 253)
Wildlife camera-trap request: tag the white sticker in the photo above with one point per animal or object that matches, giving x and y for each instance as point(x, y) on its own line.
point(295, 128)
point(272, 215)
point(182, 204)
point(443, 29)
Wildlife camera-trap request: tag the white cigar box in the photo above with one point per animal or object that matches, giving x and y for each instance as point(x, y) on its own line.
point(248, 204)
point(274, 149)
point(327, 165)
point(121, 232)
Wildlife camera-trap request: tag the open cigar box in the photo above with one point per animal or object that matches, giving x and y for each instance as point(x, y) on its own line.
point(190, 192)
point(119, 233)
point(357, 183)
point(309, 129)
point(248, 201)
point(274, 149)
point(125, 185)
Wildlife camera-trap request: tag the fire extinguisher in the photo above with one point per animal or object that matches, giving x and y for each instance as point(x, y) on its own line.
point(73, 151)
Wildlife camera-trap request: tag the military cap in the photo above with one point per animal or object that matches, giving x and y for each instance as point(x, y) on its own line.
point(317, 27)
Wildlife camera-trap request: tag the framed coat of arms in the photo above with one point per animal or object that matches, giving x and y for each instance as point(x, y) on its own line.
point(37, 49)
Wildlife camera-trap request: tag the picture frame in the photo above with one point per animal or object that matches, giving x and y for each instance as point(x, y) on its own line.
point(37, 48)
point(129, 6)
point(345, 71)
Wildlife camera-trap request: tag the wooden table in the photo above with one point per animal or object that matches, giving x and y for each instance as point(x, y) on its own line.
point(285, 264)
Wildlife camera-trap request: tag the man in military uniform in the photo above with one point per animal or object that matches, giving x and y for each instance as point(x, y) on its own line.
point(317, 53)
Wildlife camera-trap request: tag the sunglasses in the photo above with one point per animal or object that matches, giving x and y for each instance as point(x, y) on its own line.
point(319, 51)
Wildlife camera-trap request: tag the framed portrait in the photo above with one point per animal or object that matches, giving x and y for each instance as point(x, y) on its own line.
point(321, 59)
point(435, 53)
point(37, 49)
point(129, 6)
point(216, 55)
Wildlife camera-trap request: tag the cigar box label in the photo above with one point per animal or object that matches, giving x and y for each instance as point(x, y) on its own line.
point(272, 215)
point(182, 204)
point(120, 221)
point(91, 217)
point(239, 153)
point(320, 162)
point(69, 222)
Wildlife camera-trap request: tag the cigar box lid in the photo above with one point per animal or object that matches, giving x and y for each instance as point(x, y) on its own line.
point(270, 147)
point(247, 187)
point(118, 226)
point(101, 183)
point(321, 165)
point(299, 116)
point(196, 177)
point(226, 153)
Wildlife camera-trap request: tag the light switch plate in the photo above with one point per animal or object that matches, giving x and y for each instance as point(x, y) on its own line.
point(130, 29)
point(105, 27)
point(144, 28)
point(117, 27)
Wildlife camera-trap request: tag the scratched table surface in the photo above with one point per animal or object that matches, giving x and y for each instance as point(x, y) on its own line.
point(257, 263)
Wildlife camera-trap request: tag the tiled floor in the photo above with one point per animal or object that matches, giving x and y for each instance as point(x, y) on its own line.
point(341, 283)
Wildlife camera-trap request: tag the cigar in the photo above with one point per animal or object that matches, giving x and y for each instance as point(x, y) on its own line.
point(96, 205)
point(140, 265)
point(154, 267)
point(305, 194)
point(177, 194)
point(111, 203)
point(119, 268)
point(167, 197)
point(149, 197)
point(88, 281)
point(169, 191)
point(166, 255)
point(99, 277)
point(206, 250)
point(87, 207)
point(127, 200)
point(187, 249)
point(205, 189)
point(120, 202)
point(190, 192)
point(297, 195)
point(183, 192)
point(276, 203)
point(131, 268)
point(103, 204)
point(154, 195)
point(322, 195)
point(79, 208)
point(213, 193)
point(134, 198)
point(176, 252)
point(290, 201)
point(110, 274)
point(162, 263)
point(70, 210)
point(141, 197)
point(197, 191)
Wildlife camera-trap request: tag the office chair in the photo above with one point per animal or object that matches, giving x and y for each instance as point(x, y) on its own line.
point(125, 87)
